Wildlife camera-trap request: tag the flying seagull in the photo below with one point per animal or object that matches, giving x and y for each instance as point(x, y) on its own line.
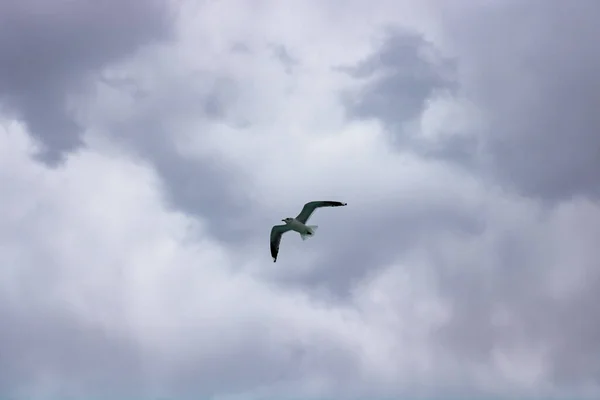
point(298, 224)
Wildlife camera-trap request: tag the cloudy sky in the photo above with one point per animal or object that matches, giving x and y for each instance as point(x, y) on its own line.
point(147, 147)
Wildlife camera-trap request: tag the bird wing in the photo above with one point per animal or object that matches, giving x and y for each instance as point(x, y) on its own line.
point(308, 208)
point(276, 232)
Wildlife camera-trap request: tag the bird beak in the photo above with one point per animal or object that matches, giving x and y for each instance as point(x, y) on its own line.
point(283, 220)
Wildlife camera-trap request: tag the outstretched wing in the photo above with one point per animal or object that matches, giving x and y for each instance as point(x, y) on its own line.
point(276, 232)
point(308, 208)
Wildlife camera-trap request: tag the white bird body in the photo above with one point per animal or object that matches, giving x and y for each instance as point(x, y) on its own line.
point(299, 227)
point(298, 224)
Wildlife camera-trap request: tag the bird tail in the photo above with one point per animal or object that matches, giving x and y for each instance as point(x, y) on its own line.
point(311, 231)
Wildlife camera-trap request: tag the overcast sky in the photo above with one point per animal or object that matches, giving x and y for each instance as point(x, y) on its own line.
point(147, 147)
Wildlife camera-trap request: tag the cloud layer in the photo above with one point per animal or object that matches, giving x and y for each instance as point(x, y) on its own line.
point(461, 135)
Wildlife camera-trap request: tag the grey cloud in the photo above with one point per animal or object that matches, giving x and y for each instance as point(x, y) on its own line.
point(533, 68)
point(48, 353)
point(403, 74)
point(47, 56)
point(204, 187)
point(514, 282)
point(283, 55)
point(475, 280)
point(240, 48)
point(534, 82)
point(48, 49)
point(257, 362)
point(201, 187)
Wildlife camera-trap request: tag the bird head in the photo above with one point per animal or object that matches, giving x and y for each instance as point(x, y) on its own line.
point(287, 220)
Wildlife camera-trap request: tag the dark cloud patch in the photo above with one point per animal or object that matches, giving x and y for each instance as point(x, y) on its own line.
point(201, 187)
point(402, 75)
point(240, 48)
point(283, 55)
point(47, 49)
point(536, 85)
point(533, 68)
point(204, 186)
point(49, 122)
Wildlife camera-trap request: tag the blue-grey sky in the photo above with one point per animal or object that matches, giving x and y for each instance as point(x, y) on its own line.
point(147, 147)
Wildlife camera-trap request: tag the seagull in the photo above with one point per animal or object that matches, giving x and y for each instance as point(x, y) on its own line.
point(298, 224)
